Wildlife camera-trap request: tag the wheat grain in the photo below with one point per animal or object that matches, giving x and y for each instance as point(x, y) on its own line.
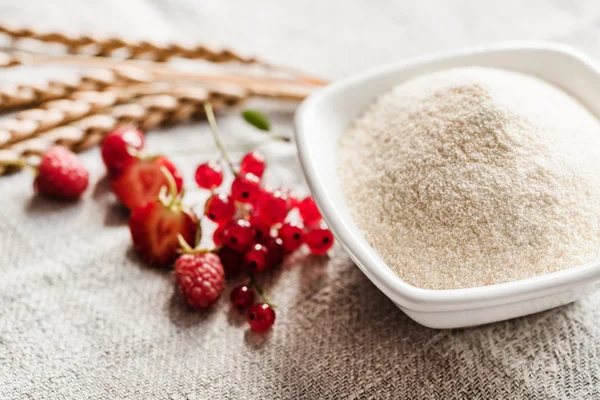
point(147, 112)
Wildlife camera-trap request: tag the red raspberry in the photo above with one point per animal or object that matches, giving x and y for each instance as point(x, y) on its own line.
point(253, 163)
point(201, 278)
point(61, 174)
point(120, 148)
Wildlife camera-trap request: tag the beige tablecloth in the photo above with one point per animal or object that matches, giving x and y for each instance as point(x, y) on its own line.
point(81, 317)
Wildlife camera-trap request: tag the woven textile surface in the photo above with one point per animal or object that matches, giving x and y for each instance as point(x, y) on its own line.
point(82, 318)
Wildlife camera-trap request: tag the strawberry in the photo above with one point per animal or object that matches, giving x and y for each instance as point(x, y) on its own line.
point(141, 181)
point(201, 278)
point(120, 148)
point(61, 174)
point(156, 226)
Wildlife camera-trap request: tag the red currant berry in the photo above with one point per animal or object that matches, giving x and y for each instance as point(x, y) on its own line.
point(256, 258)
point(231, 260)
point(293, 201)
point(291, 235)
point(261, 317)
point(245, 188)
point(238, 235)
point(242, 297)
point(209, 175)
point(262, 230)
point(253, 163)
point(272, 207)
point(218, 235)
point(219, 208)
point(275, 251)
point(308, 211)
point(119, 148)
point(319, 240)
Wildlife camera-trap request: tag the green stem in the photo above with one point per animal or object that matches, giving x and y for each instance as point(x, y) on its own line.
point(261, 291)
point(210, 115)
point(279, 136)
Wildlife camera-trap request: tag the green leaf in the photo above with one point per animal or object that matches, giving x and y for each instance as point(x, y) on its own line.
point(257, 119)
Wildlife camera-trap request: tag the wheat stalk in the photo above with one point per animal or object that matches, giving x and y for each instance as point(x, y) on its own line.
point(26, 95)
point(115, 46)
point(32, 122)
point(143, 50)
point(147, 112)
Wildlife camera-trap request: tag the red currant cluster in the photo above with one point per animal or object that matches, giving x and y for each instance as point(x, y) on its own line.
point(257, 228)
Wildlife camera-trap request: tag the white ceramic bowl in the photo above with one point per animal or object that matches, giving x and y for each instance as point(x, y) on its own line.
point(324, 117)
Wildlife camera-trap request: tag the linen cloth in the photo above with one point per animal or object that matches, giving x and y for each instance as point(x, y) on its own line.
point(82, 318)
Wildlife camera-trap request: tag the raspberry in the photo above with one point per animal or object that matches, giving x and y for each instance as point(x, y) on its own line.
point(61, 174)
point(201, 278)
point(120, 148)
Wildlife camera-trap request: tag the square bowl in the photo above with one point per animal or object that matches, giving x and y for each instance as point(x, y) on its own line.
point(324, 117)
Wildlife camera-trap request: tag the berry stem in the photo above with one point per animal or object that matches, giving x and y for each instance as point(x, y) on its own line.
point(172, 189)
point(184, 245)
point(261, 291)
point(279, 137)
point(210, 115)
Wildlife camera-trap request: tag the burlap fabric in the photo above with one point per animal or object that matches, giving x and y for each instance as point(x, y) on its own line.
point(82, 318)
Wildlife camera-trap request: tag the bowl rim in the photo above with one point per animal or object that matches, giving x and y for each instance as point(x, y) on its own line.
point(367, 258)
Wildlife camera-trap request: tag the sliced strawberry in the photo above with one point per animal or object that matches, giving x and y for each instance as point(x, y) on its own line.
point(141, 181)
point(154, 228)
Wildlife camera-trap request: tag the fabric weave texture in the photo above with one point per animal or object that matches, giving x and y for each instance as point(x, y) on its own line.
point(82, 318)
